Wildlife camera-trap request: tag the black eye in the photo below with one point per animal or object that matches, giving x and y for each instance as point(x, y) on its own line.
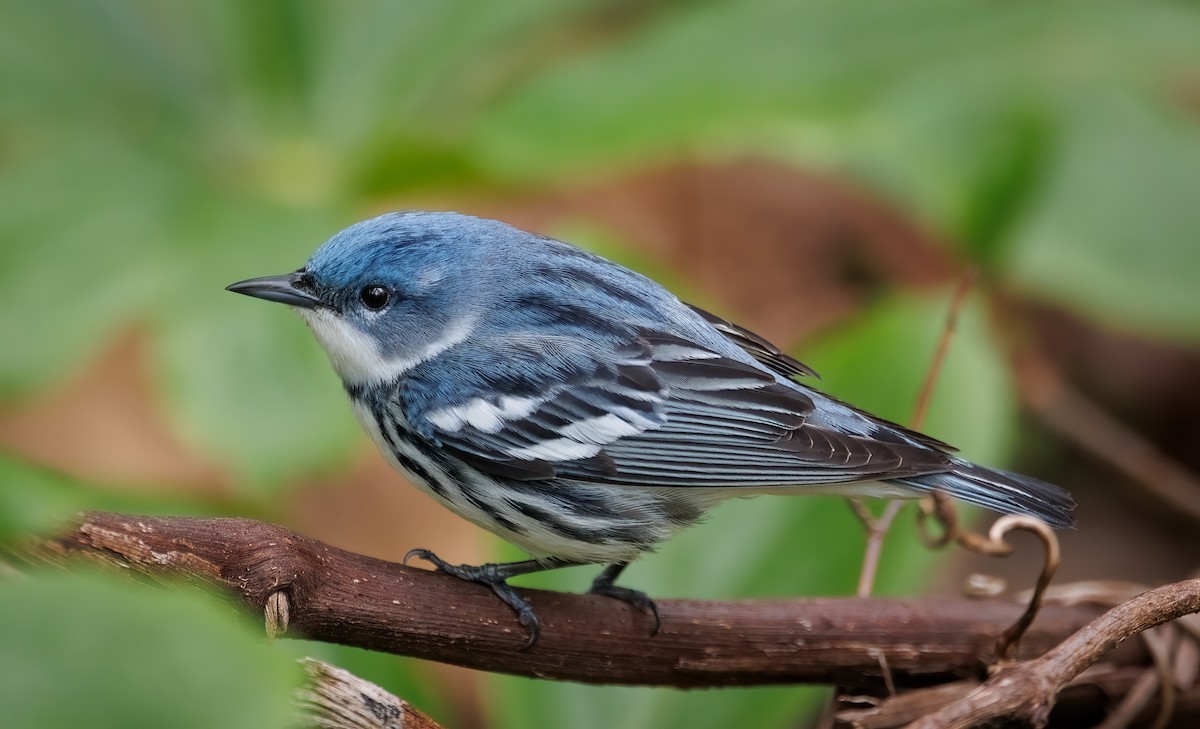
point(375, 297)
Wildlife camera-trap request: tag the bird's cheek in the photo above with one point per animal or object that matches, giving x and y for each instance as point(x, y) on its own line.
point(353, 354)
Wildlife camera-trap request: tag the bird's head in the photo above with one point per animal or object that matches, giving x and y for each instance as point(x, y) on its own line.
point(387, 293)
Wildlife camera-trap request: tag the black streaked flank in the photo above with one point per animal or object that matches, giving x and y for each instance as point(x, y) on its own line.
point(419, 471)
point(553, 521)
point(400, 436)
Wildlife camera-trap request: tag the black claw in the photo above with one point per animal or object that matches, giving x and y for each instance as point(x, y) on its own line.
point(509, 596)
point(603, 585)
point(424, 554)
point(636, 598)
point(494, 576)
point(529, 620)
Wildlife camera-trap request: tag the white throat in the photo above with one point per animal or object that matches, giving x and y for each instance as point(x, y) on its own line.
point(356, 357)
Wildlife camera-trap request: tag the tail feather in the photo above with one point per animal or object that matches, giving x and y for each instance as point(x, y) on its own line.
point(1003, 491)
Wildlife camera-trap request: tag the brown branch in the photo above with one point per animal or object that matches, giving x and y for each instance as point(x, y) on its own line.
point(925, 396)
point(1079, 704)
point(1029, 690)
point(334, 698)
point(303, 587)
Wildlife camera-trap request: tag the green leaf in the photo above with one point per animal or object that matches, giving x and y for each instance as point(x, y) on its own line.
point(76, 258)
point(81, 650)
point(531, 703)
point(33, 500)
point(245, 379)
point(1114, 236)
point(252, 388)
point(36, 500)
point(736, 76)
point(879, 363)
point(965, 147)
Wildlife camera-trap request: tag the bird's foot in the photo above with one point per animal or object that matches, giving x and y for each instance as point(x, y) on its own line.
point(496, 577)
point(603, 585)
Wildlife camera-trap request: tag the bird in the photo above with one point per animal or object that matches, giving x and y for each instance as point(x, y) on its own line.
point(581, 411)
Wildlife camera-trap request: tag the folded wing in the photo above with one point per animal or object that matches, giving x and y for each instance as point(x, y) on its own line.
point(657, 410)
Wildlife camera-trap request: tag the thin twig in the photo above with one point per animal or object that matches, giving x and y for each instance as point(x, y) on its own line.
point(1006, 647)
point(994, 545)
point(877, 527)
point(938, 507)
point(921, 408)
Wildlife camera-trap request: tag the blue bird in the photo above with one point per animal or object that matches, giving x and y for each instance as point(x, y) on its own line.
point(580, 410)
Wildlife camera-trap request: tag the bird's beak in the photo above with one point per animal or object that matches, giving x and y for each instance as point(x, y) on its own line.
point(286, 288)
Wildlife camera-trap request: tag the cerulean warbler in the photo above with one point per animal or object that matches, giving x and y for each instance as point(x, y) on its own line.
point(580, 410)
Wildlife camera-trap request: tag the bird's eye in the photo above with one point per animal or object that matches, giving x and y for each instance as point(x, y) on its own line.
point(375, 297)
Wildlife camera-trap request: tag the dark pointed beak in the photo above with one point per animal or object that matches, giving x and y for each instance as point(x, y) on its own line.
point(288, 288)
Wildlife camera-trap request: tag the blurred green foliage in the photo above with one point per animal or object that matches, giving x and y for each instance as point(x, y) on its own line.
point(81, 650)
point(36, 500)
point(150, 153)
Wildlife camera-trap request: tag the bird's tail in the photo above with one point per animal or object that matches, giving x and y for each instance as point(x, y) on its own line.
point(1003, 491)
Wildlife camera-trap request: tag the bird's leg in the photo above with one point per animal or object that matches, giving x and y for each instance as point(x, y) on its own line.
point(603, 585)
point(496, 577)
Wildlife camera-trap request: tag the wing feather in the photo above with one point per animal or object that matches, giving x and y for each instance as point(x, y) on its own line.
point(758, 347)
point(659, 411)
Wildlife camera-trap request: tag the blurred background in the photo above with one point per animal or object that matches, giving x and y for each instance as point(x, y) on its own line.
point(824, 173)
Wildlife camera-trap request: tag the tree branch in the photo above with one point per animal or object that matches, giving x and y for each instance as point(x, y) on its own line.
point(303, 587)
point(337, 699)
point(1081, 703)
point(1028, 690)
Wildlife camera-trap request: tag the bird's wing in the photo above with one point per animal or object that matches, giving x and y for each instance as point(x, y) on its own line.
point(775, 359)
point(522, 407)
point(657, 411)
point(757, 347)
